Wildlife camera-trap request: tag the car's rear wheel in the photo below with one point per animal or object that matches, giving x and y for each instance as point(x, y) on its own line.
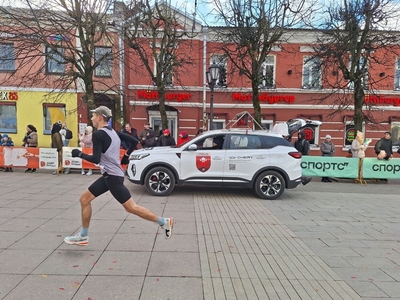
point(159, 181)
point(269, 185)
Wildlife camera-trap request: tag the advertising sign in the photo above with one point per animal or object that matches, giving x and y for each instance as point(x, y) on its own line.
point(325, 166)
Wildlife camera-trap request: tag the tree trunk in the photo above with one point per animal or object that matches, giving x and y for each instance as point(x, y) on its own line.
point(358, 105)
point(161, 107)
point(256, 105)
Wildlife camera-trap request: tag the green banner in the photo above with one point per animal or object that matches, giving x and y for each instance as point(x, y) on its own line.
point(381, 169)
point(326, 166)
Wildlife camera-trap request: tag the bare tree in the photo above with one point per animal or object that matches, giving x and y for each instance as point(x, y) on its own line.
point(65, 33)
point(251, 29)
point(157, 35)
point(356, 40)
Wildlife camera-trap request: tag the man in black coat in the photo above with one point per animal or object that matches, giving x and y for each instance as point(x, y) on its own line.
point(129, 130)
point(166, 139)
point(385, 144)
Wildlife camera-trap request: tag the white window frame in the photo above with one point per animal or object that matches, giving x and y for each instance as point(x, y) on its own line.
point(365, 79)
point(395, 137)
point(264, 122)
point(104, 69)
point(52, 65)
point(263, 72)
point(7, 57)
point(316, 136)
point(347, 147)
point(47, 121)
point(170, 77)
point(309, 64)
point(172, 117)
point(397, 75)
point(222, 61)
point(217, 121)
point(8, 117)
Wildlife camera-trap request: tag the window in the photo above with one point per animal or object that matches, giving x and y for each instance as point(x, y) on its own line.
point(52, 113)
point(222, 62)
point(167, 69)
point(267, 124)
point(311, 73)
point(103, 57)
point(311, 135)
point(362, 63)
point(55, 63)
point(217, 124)
point(350, 134)
point(244, 142)
point(8, 117)
point(395, 130)
point(267, 73)
point(7, 59)
point(397, 75)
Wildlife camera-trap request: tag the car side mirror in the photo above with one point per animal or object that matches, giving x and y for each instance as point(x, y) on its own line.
point(193, 147)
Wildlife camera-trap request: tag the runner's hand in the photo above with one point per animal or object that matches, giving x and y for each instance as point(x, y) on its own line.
point(76, 153)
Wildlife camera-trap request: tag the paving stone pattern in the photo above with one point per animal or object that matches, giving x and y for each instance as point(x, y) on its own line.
point(324, 241)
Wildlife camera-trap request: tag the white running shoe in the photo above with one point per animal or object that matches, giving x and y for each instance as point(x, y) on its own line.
point(77, 240)
point(83, 172)
point(169, 224)
point(89, 173)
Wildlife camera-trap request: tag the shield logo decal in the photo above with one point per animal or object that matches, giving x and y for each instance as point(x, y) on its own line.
point(203, 162)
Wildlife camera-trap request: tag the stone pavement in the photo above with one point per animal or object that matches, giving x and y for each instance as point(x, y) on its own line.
point(324, 241)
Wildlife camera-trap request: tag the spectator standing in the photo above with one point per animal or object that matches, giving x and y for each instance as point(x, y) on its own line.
point(57, 143)
point(327, 149)
point(6, 141)
point(166, 139)
point(150, 139)
point(129, 130)
point(143, 133)
point(357, 146)
point(65, 141)
point(303, 146)
point(86, 142)
point(383, 148)
point(30, 140)
point(183, 137)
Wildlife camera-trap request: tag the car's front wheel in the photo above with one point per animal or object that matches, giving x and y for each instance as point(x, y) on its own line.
point(269, 185)
point(159, 181)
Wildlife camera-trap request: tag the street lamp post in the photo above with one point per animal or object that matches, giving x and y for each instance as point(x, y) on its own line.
point(212, 76)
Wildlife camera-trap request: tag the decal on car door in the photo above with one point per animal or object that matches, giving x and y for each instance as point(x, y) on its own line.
point(203, 162)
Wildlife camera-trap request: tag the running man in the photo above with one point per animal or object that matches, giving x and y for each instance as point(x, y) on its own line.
point(106, 146)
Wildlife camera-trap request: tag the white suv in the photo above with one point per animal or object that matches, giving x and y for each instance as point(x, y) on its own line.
point(259, 160)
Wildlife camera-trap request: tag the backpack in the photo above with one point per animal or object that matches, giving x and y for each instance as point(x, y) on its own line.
point(68, 134)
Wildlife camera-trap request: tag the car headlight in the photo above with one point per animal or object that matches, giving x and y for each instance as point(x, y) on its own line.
point(138, 156)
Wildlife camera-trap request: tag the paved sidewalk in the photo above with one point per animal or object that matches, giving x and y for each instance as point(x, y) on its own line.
point(322, 241)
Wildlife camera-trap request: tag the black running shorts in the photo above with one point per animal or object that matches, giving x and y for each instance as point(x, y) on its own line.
point(114, 184)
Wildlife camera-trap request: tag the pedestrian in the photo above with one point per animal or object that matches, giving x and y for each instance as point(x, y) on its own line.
point(303, 146)
point(183, 137)
point(56, 142)
point(129, 130)
point(66, 136)
point(106, 147)
point(383, 148)
point(327, 149)
point(30, 140)
point(150, 139)
point(357, 146)
point(166, 139)
point(86, 142)
point(145, 130)
point(7, 141)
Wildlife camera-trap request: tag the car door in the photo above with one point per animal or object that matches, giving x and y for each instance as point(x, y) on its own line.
point(244, 157)
point(206, 163)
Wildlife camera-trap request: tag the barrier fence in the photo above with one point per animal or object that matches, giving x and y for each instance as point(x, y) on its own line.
point(320, 166)
point(45, 158)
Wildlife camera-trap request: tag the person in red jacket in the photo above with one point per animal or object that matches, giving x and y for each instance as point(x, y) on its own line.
point(183, 137)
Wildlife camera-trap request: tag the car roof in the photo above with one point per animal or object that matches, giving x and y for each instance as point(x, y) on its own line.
point(241, 131)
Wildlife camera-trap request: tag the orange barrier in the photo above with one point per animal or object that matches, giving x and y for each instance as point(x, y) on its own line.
point(45, 158)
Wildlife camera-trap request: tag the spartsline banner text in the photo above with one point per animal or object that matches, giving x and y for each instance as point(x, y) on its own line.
point(45, 158)
point(347, 167)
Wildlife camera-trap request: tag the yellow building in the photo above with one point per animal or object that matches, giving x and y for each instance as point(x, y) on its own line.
point(19, 108)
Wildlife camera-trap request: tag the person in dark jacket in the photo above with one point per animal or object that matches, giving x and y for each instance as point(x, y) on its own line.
point(129, 130)
point(327, 149)
point(6, 141)
point(303, 146)
point(383, 147)
point(150, 140)
point(57, 143)
point(166, 139)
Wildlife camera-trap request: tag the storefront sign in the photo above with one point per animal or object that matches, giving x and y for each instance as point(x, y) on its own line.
point(264, 97)
point(168, 96)
point(395, 101)
point(8, 95)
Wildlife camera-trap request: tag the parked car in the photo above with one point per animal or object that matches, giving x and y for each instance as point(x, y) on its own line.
point(263, 161)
